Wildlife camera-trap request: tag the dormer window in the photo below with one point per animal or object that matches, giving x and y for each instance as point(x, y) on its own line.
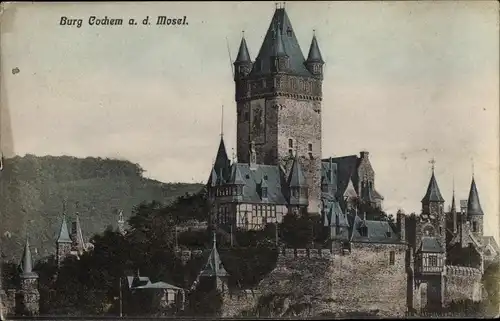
point(265, 177)
point(289, 32)
point(433, 261)
point(388, 234)
point(264, 192)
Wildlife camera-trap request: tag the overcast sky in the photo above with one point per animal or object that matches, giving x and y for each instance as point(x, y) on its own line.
point(406, 81)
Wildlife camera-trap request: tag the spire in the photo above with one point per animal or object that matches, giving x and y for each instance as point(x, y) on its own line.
point(433, 194)
point(214, 267)
point(221, 160)
point(27, 263)
point(243, 55)
point(288, 43)
point(314, 52)
point(63, 232)
point(212, 181)
point(78, 234)
point(473, 204)
point(297, 178)
point(222, 123)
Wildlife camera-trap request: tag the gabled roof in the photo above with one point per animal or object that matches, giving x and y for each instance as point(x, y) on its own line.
point(243, 55)
point(473, 204)
point(63, 233)
point(430, 245)
point(314, 52)
point(214, 266)
point(79, 242)
point(236, 176)
point(491, 240)
point(281, 24)
point(377, 232)
point(433, 194)
point(27, 263)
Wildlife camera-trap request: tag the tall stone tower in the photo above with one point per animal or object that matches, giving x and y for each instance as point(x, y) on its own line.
point(29, 297)
point(433, 208)
point(278, 100)
point(475, 212)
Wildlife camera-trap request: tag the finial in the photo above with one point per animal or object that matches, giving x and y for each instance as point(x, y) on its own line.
point(64, 207)
point(222, 122)
point(314, 32)
point(233, 156)
point(215, 239)
point(276, 5)
point(472, 164)
point(453, 185)
point(432, 162)
point(242, 33)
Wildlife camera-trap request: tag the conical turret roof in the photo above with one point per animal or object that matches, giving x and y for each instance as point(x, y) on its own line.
point(314, 52)
point(214, 265)
point(243, 55)
point(63, 232)
point(297, 178)
point(433, 194)
point(280, 25)
point(27, 263)
point(473, 204)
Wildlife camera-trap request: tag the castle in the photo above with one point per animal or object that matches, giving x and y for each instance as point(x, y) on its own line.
point(434, 257)
point(417, 263)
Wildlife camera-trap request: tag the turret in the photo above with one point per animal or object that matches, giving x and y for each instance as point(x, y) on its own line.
point(314, 62)
point(77, 236)
point(243, 63)
point(475, 212)
point(63, 242)
point(30, 297)
point(214, 269)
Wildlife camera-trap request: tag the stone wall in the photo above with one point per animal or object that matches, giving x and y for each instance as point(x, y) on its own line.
point(462, 283)
point(320, 282)
point(239, 303)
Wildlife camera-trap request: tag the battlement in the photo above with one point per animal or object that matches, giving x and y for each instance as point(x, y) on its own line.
point(452, 270)
point(305, 253)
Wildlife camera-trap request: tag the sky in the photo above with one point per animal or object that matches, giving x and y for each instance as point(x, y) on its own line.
point(407, 81)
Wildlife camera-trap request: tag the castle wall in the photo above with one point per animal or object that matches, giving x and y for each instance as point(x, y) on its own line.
point(362, 281)
point(240, 302)
point(462, 283)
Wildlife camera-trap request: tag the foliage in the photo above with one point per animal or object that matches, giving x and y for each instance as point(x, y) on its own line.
point(491, 283)
point(33, 189)
point(298, 231)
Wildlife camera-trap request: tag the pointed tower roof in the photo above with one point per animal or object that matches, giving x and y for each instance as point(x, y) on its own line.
point(473, 204)
point(453, 206)
point(297, 178)
point(27, 263)
point(280, 26)
point(433, 194)
point(212, 180)
point(214, 265)
point(80, 243)
point(314, 52)
point(243, 55)
point(221, 160)
point(63, 232)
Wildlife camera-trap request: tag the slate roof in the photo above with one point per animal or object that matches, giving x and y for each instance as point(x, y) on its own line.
point(252, 180)
point(222, 163)
point(376, 232)
point(328, 172)
point(433, 194)
point(243, 55)
point(334, 215)
point(280, 23)
point(142, 280)
point(473, 204)
point(314, 52)
point(491, 240)
point(214, 266)
point(297, 178)
point(80, 243)
point(346, 170)
point(145, 283)
point(27, 263)
point(63, 233)
point(431, 245)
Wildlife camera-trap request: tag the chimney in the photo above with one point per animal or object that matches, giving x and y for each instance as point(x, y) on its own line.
point(364, 154)
point(401, 218)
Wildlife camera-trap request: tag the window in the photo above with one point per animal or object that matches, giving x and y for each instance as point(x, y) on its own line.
point(290, 143)
point(363, 231)
point(310, 147)
point(392, 258)
point(433, 260)
point(474, 226)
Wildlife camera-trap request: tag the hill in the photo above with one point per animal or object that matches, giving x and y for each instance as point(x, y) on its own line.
point(33, 190)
